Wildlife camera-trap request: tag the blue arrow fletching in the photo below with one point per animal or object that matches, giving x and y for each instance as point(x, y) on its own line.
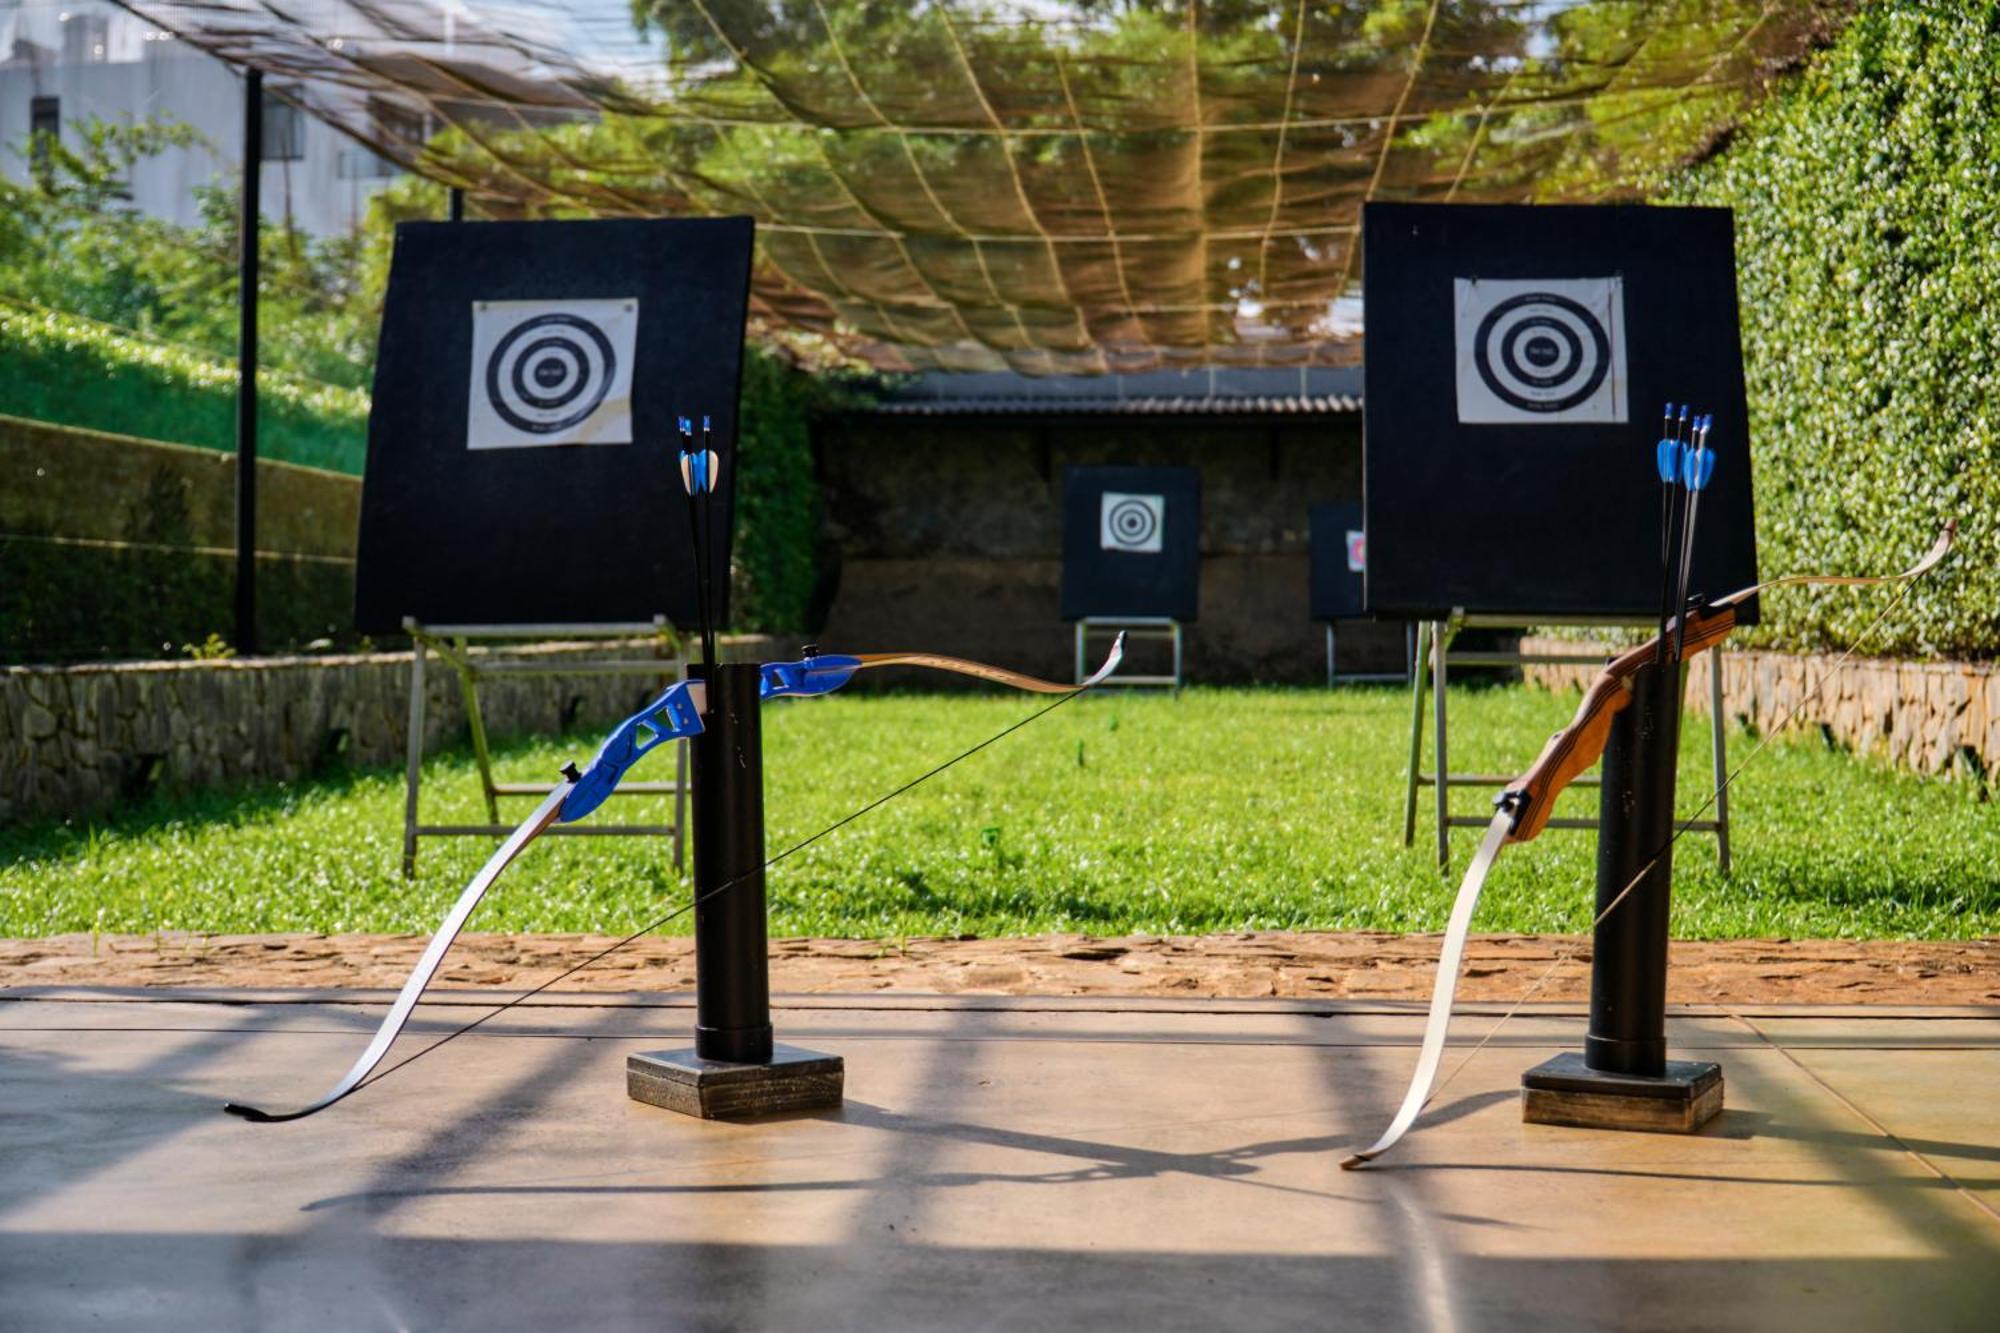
point(1700, 468)
point(1668, 456)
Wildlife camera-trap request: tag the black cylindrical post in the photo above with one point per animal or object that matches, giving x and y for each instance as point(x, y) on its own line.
point(456, 204)
point(1628, 974)
point(246, 363)
point(732, 977)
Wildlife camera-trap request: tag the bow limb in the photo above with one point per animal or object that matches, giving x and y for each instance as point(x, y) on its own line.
point(1572, 751)
point(406, 1000)
point(999, 675)
point(825, 672)
point(1524, 807)
point(1437, 1024)
point(675, 715)
point(1931, 560)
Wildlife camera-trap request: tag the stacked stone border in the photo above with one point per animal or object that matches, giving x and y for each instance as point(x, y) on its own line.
point(1936, 718)
point(78, 740)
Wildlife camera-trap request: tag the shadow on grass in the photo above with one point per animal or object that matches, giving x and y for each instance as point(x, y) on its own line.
point(235, 804)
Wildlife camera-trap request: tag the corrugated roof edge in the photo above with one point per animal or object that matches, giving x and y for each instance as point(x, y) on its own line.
point(1318, 405)
point(1303, 391)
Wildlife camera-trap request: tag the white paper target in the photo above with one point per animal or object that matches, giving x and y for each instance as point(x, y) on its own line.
point(551, 373)
point(1542, 350)
point(1136, 523)
point(1357, 552)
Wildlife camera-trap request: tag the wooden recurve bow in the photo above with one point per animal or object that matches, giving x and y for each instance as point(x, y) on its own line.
point(1523, 809)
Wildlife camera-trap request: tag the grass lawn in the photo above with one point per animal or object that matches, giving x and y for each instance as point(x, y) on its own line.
point(1220, 810)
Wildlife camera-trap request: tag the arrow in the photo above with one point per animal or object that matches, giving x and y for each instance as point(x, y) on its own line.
point(1668, 459)
point(1697, 466)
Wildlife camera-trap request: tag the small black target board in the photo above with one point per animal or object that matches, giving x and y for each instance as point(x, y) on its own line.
point(523, 462)
point(1518, 359)
point(1131, 542)
point(1339, 560)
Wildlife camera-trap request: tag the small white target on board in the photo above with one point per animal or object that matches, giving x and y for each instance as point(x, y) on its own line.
point(1540, 350)
point(1357, 552)
point(551, 373)
point(1135, 523)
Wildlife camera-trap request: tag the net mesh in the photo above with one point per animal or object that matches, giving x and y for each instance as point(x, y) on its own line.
point(1048, 186)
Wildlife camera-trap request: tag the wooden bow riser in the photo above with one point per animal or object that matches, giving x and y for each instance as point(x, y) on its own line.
point(1575, 749)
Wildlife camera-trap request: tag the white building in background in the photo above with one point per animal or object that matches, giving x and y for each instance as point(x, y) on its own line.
point(62, 61)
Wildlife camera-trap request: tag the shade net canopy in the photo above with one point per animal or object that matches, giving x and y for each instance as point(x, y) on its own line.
point(1047, 186)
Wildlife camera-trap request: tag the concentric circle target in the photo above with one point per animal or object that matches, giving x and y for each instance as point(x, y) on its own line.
point(549, 373)
point(1541, 352)
point(1132, 522)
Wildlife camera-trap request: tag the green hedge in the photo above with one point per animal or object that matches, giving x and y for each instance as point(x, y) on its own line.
point(64, 369)
point(1867, 198)
point(68, 603)
point(775, 566)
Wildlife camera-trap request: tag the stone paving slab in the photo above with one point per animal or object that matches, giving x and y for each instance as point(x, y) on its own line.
point(1327, 965)
point(996, 1167)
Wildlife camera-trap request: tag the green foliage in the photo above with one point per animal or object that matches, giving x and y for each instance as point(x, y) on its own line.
point(1293, 824)
point(63, 369)
point(71, 241)
point(120, 322)
point(68, 603)
point(145, 348)
point(774, 568)
point(1867, 199)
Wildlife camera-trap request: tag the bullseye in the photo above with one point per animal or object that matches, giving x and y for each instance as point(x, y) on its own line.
point(1541, 352)
point(553, 380)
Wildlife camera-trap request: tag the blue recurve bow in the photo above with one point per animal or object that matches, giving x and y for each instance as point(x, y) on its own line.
point(675, 715)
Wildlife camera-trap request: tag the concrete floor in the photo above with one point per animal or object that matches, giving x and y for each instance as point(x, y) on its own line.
point(1000, 1164)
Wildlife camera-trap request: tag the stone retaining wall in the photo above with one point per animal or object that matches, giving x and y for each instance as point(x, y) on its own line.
point(1929, 717)
point(77, 739)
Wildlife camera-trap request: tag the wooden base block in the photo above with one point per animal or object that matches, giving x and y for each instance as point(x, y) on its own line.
point(1565, 1091)
point(680, 1080)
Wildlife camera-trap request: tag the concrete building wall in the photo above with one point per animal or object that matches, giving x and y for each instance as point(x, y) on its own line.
point(100, 61)
point(944, 533)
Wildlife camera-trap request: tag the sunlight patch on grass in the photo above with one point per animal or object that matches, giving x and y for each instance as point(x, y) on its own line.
point(1220, 810)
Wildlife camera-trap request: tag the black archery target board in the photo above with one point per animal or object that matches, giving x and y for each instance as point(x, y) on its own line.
point(1131, 542)
point(1517, 359)
point(1339, 560)
point(523, 462)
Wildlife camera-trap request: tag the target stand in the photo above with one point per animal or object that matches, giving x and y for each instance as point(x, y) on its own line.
point(1518, 357)
point(452, 643)
point(1131, 545)
point(521, 482)
point(1159, 629)
point(1338, 556)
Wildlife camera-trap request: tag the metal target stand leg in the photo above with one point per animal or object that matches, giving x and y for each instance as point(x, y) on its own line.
point(452, 644)
point(1441, 635)
point(1438, 635)
point(1334, 677)
point(1164, 629)
point(1414, 770)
